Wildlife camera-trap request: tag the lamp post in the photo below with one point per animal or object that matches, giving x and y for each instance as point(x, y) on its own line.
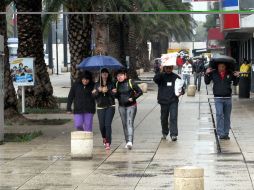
point(56, 50)
point(1, 89)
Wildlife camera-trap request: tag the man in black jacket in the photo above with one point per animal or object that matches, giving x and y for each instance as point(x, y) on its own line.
point(198, 69)
point(168, 101)
point(222, 79)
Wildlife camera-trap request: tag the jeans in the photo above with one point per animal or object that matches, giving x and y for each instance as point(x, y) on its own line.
point(83, 122)
point(186, 79)
point(105, 117)
point(223, 111)
point(179, 69)
point(197, 80)
point(127, 116)
point(169, 124)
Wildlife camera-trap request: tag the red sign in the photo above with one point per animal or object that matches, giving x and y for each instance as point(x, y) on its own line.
point(231, 21)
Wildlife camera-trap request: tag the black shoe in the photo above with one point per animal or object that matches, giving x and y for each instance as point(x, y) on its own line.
point(226, 137)
point(164, 137)
point(174, 138)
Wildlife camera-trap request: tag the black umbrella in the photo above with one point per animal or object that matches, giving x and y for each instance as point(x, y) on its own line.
point(227, 60)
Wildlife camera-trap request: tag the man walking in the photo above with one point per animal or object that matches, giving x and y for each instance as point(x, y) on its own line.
point(222, 78)
point(198, 69)
point(187, 71)
point(168, 101)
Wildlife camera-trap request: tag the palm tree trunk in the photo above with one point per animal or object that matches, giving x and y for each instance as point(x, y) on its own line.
point(132, 43)
point(79, 36)
point(143, 58)
point(31, 45)
point(101, 34)
point(114, 40)
point(10, 98)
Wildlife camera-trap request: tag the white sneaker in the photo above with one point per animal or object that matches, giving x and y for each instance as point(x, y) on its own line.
point(129, 145)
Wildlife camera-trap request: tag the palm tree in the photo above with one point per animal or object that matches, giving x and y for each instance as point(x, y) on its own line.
point(31, 45)
point(10, 98)
point(79, 29)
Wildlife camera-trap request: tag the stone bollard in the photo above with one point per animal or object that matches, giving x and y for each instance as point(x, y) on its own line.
point(191, 90)
point(144, 87)
point(81, 144)
point(189, 178)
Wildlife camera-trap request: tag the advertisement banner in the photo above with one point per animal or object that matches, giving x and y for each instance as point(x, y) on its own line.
point(22, 71)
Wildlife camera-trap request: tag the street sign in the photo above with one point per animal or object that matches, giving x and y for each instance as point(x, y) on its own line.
point(1, 89)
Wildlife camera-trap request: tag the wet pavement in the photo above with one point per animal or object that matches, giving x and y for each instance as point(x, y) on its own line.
point(45, 162)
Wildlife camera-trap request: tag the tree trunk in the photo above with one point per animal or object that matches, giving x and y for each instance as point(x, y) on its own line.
point(101, 29)
point(10, 98)
point(132, 43)
point(143, 55)
point(114, 49)
point(79, 36)
point(31, 45)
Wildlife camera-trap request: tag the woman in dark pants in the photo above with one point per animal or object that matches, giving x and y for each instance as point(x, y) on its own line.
point(84, 103)
point(105, 106)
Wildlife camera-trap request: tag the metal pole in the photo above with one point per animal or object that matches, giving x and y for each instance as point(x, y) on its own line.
point(23, 99)
point(56, 51)
point(65, 41)
point(1, 89)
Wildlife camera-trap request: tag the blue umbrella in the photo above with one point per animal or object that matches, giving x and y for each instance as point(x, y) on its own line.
point(98, 62)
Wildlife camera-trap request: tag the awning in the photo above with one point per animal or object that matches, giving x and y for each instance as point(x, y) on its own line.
point(237, 36)
point(215, 34)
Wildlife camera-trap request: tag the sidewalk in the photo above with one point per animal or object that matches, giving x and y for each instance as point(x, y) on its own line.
point(45, 162)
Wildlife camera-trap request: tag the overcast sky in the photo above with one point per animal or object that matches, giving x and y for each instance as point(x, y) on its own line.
point(199, 6)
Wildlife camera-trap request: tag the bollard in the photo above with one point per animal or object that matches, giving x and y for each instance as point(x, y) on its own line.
point(81, 144)
point(189, 178)
point(191, 90)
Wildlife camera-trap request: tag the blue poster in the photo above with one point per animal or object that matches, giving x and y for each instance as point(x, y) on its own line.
point(229, 3)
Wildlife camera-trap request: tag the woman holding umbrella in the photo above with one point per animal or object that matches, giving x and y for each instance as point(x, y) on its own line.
point(105, 105)
point(222, 77)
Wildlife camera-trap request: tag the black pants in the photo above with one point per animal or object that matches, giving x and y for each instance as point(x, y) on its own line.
point(244, 87)
point(105, 116)
point(169, 124)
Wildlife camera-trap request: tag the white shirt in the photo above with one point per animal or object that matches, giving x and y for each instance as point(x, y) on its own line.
point(187, 69)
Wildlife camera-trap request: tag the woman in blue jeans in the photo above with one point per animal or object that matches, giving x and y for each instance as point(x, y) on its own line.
point(222, 79)
point(105, 106)
point(127, 92)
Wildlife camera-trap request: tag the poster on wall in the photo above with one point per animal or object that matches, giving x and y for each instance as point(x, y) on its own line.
point(22, 71)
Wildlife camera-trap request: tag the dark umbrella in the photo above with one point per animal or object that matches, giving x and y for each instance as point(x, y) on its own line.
point(227, 60)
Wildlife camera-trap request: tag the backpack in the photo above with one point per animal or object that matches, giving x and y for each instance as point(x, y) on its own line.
point(129, 82)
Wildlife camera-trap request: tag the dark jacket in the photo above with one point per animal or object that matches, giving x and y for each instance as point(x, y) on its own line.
point(221, 88)
point(84, 102)
point(198, 67)
point(166, 85)
point(104, 100)
point(125, 91)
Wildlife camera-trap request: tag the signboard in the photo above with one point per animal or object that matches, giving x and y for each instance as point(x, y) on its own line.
point(169, 59)
point(22, 71)
point(231, 21)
